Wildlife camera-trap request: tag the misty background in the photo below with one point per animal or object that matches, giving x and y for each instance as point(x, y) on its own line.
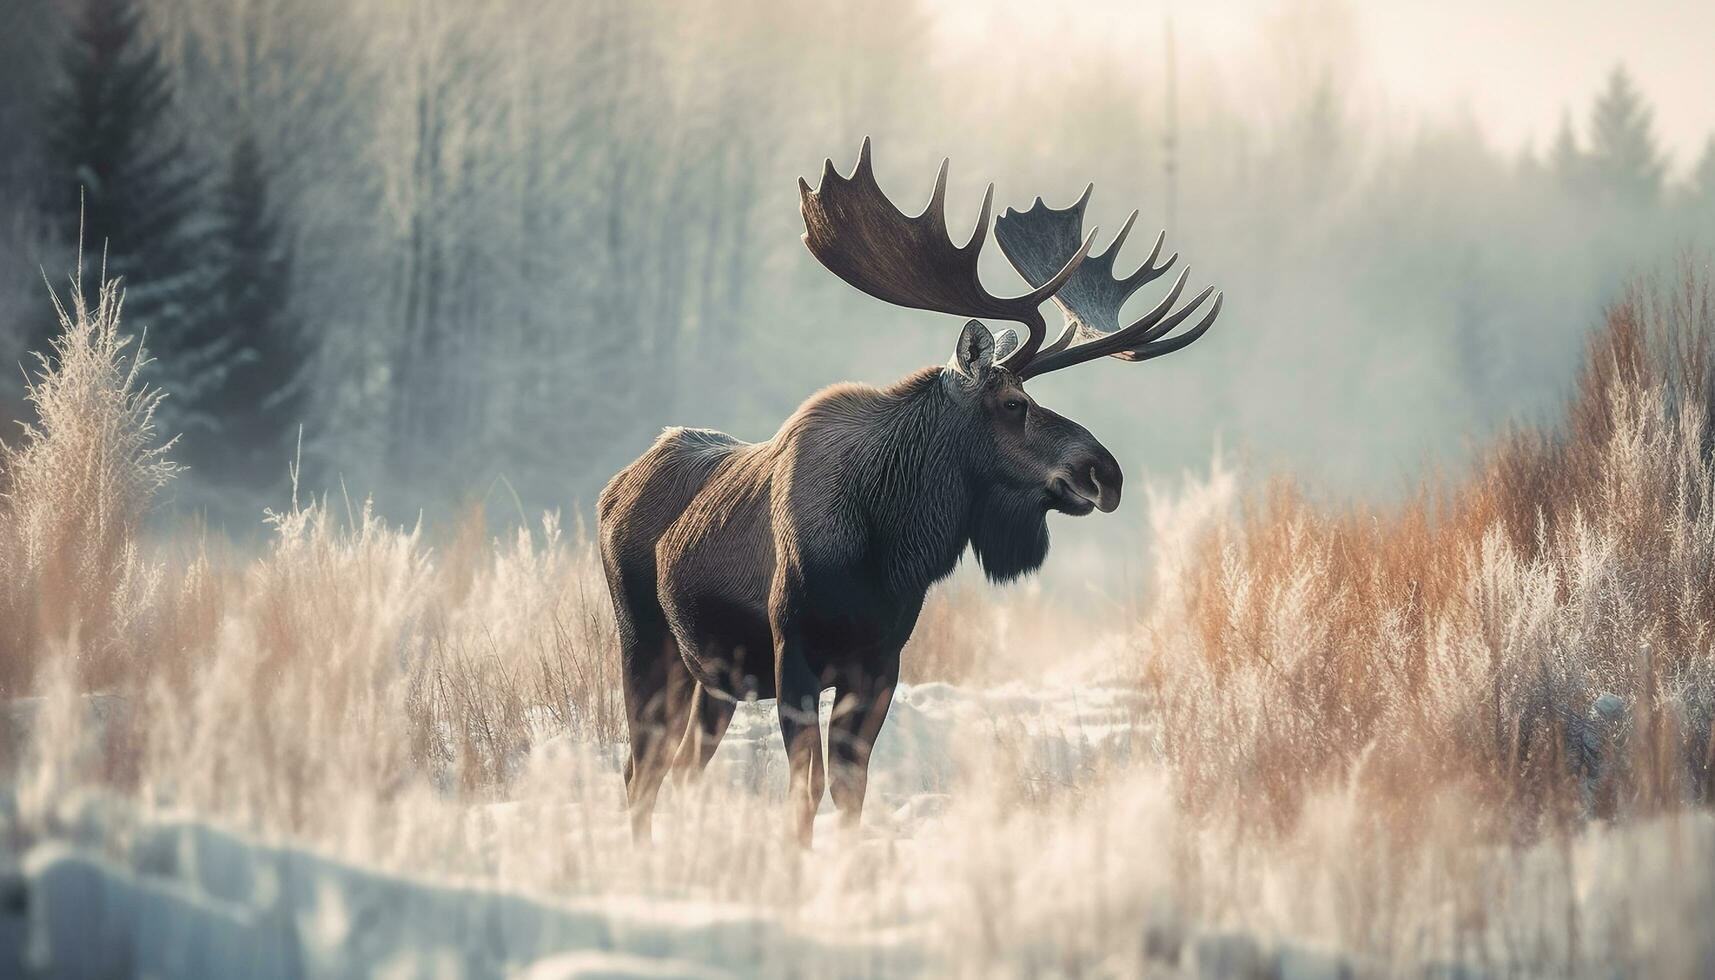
point(478, 250)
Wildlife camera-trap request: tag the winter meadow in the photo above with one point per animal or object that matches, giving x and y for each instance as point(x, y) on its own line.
point(333, 319)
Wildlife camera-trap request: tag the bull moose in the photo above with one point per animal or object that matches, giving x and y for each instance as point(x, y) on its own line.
point(778, 569)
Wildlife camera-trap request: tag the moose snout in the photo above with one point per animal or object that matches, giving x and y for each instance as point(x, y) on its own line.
point(1092, 480)
point(1105, 478)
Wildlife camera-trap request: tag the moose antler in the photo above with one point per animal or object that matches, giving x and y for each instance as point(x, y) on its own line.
point(853, 229)
point(1091, 298)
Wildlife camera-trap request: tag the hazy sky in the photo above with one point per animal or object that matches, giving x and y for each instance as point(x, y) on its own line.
point(1514, 65)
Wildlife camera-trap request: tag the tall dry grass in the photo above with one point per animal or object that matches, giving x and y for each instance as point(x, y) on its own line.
point(347, 653)
point(1376, 731)
point(1534, 638)
point(73, 490)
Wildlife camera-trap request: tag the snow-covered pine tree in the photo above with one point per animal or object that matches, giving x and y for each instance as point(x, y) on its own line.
point(117, 169)
point(256, 390)
point(1623, 163)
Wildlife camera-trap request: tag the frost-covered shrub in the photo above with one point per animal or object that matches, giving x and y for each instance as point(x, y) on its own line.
point(1538, 632)
point(347, 661)
point(73, 492)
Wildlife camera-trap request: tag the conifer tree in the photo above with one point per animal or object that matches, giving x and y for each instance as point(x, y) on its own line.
point(1566, 159)
point(1703, 176)
point(118, 172)
point(1624, 164)
point(252, 387)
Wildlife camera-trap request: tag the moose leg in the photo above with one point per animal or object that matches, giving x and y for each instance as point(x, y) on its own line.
point(658, 690)
point(709, 717)
point(799, 691)
point(861, 702)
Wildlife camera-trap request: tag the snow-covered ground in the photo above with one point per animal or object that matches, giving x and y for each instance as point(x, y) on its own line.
point(121, 890)
point(1010, 831)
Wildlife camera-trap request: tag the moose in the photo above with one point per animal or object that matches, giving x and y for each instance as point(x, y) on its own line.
point(782, 568)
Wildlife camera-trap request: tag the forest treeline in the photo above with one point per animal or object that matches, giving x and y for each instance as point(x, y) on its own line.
point(465, 246)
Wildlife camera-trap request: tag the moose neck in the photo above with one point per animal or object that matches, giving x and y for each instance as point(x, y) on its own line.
point(914, 478)
point(913, 484)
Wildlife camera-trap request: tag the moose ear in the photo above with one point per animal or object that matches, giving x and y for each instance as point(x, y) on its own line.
point(974, 356)
point(1005, 344)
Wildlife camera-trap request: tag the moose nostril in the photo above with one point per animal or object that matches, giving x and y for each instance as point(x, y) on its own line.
point(1104, 479)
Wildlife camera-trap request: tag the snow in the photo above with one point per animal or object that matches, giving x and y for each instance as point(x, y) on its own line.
point(187, 898)
point(196, 901)
point(123, 889)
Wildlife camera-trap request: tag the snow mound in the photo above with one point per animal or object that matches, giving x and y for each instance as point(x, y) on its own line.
point(197, 902)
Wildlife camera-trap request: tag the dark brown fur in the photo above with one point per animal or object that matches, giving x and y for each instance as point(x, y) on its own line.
point(782, 568)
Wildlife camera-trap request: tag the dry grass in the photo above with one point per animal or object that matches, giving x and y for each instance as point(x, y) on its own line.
point(72, 494)
point(1382, 732)
point(354, 655)
point(347, 652)
point(1465, 642)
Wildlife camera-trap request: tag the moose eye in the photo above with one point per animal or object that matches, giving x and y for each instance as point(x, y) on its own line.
point(1013, 405)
